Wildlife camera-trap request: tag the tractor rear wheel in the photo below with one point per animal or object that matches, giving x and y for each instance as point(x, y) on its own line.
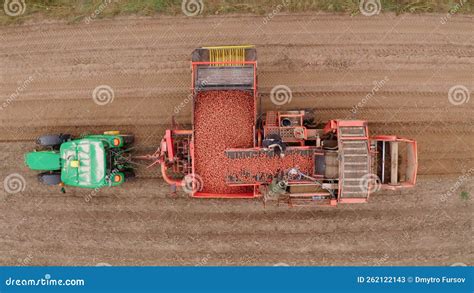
point(53, 140)
point(50, 178)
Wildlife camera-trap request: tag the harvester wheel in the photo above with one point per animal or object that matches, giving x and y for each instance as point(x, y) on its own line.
point(50, 178)
point(309, 118)
point(330, 144)
point(53, 140)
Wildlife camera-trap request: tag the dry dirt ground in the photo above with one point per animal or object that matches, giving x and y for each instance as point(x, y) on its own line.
point(49, 70)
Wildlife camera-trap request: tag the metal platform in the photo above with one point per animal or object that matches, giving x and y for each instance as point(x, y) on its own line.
point(237, 77)
point(355, 162)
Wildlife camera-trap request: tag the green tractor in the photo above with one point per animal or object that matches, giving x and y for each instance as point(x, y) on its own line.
point(92, 161)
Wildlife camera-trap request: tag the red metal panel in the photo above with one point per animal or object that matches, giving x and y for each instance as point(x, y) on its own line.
point(330, 126)
point(351, 123)
point(223, 195)
point(353, 200)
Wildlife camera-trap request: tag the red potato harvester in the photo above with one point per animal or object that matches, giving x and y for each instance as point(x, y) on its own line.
point(232, 152)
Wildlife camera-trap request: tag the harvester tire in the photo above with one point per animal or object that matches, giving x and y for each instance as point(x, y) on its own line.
point(309, 118)
point(330, 144)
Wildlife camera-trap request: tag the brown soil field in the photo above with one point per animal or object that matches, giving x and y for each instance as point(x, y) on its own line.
point(332, 63)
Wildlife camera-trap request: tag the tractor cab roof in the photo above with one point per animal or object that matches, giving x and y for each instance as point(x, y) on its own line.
point(83, 163)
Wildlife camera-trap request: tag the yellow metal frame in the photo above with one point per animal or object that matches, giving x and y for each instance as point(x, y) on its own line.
point(234, 54)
